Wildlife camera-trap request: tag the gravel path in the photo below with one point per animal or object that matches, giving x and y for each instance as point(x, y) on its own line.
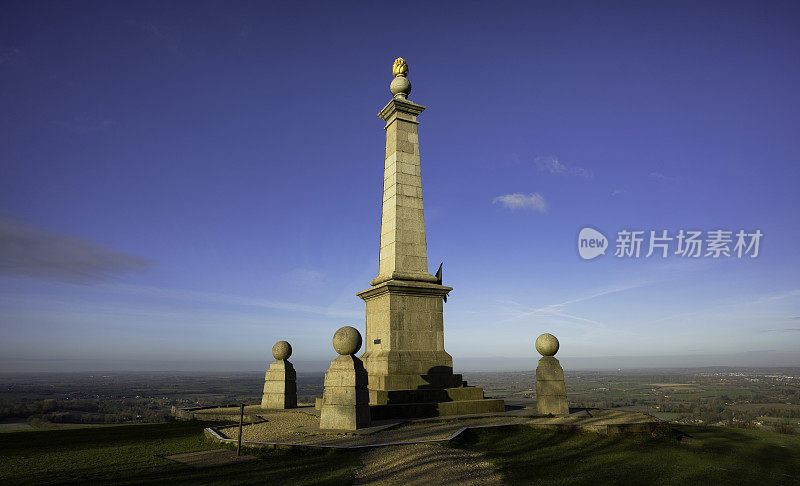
point(298, 427)
point(426, 464)
point(283, 428)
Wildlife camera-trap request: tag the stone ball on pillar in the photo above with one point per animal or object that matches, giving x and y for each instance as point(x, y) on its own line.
point(547, 344)
point(347, 340)
point(281, 350)
point(400, 87)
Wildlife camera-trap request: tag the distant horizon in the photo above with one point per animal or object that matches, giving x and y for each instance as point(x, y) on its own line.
point(763, 359)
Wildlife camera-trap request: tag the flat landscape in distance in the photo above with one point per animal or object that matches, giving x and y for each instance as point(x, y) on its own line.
point(729, 426)
point(756, 398)
point(37, 400)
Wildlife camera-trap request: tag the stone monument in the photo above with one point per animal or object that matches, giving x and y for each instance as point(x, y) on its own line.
point(280, 382)
point(551, 393)
point(345, 401)
point(405, 356)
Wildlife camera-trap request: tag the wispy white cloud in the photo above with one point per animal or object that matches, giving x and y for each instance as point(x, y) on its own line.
point(235, 300)
point(552, 165)
point(9, 54)
point(731, 309)
point(617, 192)
point(780, 296)
point(150, 307)
point(664, 178)
point(559, 308)
point(533, 201)
point(681, 315)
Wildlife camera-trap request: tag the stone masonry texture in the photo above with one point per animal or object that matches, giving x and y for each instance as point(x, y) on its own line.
point(280, 386)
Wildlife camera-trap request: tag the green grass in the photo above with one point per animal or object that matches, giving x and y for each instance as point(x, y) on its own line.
point(134, 454)
point(774, 420)
point(668, 415)
point(714, 455)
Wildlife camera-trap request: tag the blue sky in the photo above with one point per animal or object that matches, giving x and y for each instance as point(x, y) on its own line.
point(184, 183)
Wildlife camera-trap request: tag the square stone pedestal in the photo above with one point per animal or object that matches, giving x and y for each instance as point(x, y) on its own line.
point(404, 343)
point(551, 393)
point(345, 401)
point(280, 386)
point(410, 373)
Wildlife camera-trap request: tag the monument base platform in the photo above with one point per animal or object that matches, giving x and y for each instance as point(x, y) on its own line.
point(298, 428)
point(432, 402)
point(434, 409)
point(424, 395)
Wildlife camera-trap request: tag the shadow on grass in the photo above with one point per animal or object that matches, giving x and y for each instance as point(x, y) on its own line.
point(719, 456)
point(278, 467)
point(135, 454)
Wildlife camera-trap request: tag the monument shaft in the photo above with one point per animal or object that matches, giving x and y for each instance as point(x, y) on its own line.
point(403, 250)
point(404, 321)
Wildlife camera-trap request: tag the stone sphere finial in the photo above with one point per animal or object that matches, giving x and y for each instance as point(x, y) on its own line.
point(400, 87)
point(347, 340)
point(281, 350)
point(547, 344)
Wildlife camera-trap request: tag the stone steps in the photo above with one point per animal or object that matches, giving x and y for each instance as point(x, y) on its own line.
point(427, 395)
point(436, 409)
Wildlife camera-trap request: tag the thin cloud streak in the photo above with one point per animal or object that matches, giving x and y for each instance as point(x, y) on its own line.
point(664, 178)
point(708, 309)
point(557, 309)
point(552, 165)
point(28, 251)
point(783, 295)
point(534, 202)
point(229, 299)
point(84, 124)
point(9, 54)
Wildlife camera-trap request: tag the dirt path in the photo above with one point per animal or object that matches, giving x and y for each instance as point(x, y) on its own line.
point(426, 464)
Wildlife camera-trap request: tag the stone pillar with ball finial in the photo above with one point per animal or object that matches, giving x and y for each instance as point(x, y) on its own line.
point(551, 393)
point(280, 382)
point(345, 400)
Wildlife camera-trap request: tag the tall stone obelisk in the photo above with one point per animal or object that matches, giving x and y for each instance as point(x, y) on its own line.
point(404, 321)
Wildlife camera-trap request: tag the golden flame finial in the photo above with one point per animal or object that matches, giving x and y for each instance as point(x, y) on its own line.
point(400, 67)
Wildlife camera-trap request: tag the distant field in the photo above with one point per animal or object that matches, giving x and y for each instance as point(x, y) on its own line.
point(702, 396)
point(720, 396)
point(756, 406)
point(134, 454)
point(20, 425)
point(668, 416)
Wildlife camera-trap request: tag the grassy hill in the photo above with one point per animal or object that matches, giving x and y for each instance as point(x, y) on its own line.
point(126, 454)
point(703, 455)
point(134, 454)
